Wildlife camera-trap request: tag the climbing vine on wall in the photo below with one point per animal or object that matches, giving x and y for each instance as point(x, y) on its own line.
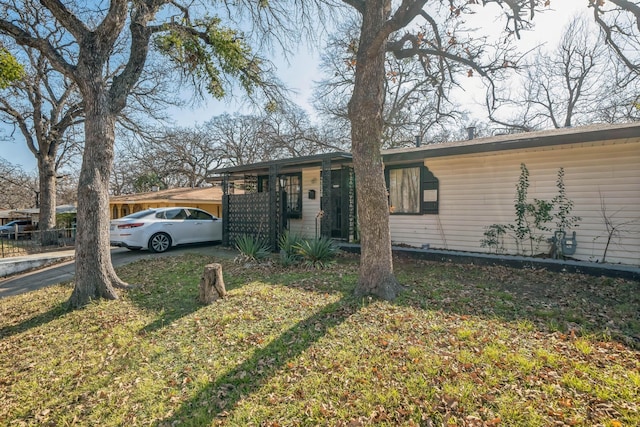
point(531, 225)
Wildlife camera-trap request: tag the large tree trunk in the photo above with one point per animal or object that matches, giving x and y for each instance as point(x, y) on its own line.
point(47, 176)
point(95, 276)
point(365, 113)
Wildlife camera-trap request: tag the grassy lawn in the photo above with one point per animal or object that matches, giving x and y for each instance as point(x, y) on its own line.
point(463, 346)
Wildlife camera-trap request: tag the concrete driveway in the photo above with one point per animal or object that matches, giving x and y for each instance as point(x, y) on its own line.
point(65, 272)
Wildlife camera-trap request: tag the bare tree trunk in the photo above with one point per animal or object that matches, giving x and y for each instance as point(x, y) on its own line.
point(365, 113)
point(95, 276)
point(47, 176)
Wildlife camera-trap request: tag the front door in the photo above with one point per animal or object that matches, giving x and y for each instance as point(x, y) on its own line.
point(340, 204)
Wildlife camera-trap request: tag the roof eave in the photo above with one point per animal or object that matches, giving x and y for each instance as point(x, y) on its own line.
point(282, 164)
point(535, 141)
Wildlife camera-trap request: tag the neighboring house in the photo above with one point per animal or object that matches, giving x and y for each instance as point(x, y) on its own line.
point(208, 199)
point(32, 213)
point(8, 215)
point(443, 196)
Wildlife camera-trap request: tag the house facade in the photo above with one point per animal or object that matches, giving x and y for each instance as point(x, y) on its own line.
point(444, 196)
point(208, 199)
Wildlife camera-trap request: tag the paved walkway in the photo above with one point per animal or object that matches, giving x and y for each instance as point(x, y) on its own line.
point(16, 265)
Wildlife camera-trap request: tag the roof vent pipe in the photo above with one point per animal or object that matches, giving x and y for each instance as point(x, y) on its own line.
point(471, 132)
point(418, 140)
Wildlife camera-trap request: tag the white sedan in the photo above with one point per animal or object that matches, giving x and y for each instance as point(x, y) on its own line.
point(159, 229)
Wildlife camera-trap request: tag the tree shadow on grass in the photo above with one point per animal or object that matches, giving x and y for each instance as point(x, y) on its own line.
point(173, 297)
point(172, 305)
point(253, 373)
point(547, 300)
point(33, 322)
point(171, 310)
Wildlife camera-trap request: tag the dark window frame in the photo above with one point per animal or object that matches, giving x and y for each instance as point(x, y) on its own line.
point(263, 183)
point(263, 186)
point(428, 182)
point(291, 211)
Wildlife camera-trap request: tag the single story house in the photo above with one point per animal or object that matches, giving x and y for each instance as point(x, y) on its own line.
point(207, 198)
point(32, 214)
point(445, 195)
point(8, 215)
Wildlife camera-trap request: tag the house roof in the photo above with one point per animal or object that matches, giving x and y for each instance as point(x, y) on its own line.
point(24, 213)
point(173, 195)
point(6, 213)
point(60, 209)
point(543, 138)
point(552, 137)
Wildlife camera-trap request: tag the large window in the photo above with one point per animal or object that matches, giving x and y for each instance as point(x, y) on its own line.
point(413, 189)
point(404, 190)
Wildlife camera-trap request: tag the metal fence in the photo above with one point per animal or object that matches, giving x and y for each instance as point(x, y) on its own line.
point(31, 242)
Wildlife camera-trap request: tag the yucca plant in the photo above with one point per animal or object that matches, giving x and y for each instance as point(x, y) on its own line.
point(317, 253)
point(288, 243)
point(251, 248)
point(289, 260)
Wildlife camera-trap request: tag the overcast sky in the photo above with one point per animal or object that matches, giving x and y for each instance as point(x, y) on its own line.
point(302, 71)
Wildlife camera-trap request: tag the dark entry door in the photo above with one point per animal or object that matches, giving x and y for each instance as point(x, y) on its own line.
point(339, 204)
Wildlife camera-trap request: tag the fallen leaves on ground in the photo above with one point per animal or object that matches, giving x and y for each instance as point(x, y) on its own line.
point(463, 346)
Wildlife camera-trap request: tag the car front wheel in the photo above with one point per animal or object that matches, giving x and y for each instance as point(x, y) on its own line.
point(159, 242)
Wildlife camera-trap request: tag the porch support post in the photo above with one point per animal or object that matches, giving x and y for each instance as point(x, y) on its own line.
point(344, 202)
point(275, 221)
point(353, 217)
point(225, 210)
point(325, 222)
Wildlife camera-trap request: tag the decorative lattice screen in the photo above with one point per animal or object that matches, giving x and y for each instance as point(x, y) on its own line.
point(249, 214)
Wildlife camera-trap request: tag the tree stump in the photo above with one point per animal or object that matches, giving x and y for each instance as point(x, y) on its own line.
point(212, 284)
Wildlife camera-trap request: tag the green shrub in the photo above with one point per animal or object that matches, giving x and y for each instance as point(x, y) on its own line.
point(494, 238)
point(317, 252)
point(530, 227)
point(288, 260)
point(251, 248)
point(288, 244)
point(564, 219)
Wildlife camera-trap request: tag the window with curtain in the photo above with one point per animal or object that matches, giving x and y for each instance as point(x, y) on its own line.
point(413, 190)
point(404, 190)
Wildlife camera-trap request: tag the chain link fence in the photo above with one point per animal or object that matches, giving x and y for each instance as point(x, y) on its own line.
point(37, 241)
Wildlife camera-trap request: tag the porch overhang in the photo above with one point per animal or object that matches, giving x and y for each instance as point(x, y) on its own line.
point(263, 211)
point(233, 173)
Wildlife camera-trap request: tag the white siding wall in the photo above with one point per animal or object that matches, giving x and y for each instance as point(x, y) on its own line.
point(479, 190)
point(306, 226)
